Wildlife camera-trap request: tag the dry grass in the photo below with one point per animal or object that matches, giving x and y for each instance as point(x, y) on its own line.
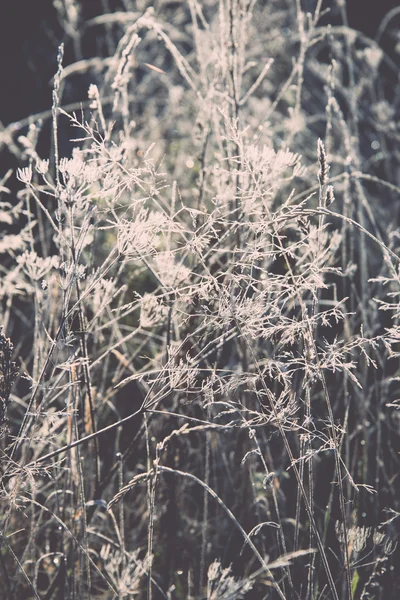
point(202, 301)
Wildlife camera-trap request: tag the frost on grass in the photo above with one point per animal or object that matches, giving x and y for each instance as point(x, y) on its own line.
point(222, 585)
point(208, 284)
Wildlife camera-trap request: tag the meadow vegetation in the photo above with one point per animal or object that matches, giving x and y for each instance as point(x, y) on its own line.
point(199, 353)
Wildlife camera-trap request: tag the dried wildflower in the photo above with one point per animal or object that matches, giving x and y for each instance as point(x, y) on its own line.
point(142, 235)
point(35, 267)
point(269, 164)
point(25, 175)
point(151, 311)
point(223, 586)
point(170, 272)
point(42, 166)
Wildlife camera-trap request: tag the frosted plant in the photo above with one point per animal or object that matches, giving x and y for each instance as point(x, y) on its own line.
point(222, 584)
point(203, 297)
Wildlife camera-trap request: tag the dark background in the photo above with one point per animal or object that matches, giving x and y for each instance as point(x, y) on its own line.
point(30, 34)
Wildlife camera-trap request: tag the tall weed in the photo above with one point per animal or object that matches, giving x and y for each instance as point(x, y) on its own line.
point(203, 302)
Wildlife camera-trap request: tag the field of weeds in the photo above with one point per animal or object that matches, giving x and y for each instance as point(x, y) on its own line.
point(200, 317)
